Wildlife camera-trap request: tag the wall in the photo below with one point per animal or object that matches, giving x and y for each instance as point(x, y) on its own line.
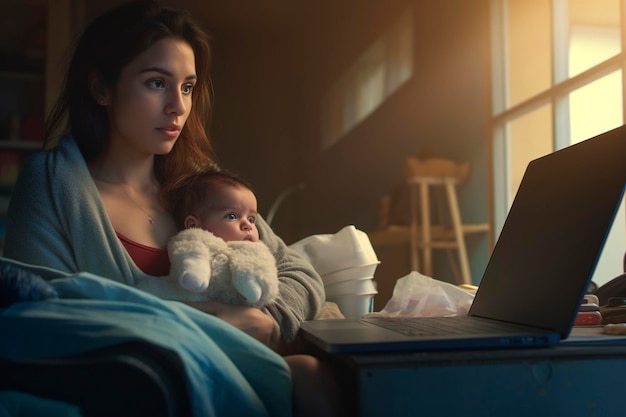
point(254, 112)
point(268, 87)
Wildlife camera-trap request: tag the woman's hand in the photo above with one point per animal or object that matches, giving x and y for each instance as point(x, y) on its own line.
point(250, 320)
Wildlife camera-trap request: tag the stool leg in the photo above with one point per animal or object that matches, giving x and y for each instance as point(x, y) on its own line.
point(426, 234)
point(413, 239)
point(458, 232)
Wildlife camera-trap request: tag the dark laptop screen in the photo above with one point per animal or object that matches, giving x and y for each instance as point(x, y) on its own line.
point(552, 238)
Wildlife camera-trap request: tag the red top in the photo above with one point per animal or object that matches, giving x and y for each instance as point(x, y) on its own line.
point(152, 261)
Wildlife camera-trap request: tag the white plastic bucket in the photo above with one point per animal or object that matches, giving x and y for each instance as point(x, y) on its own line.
point(348, 274)
point(356, 286)
point(345, 249)
point(354, 306)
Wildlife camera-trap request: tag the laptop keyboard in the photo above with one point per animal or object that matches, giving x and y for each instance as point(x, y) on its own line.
point(433, 326)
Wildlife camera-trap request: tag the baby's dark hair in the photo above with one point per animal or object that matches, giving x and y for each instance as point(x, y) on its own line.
point(195, 195)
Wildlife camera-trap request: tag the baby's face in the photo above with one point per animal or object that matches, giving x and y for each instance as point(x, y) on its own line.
point(232, 215)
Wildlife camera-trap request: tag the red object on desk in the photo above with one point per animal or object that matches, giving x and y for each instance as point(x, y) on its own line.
point(588, 318)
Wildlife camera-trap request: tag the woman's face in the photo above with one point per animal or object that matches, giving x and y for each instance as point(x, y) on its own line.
point(149, 105)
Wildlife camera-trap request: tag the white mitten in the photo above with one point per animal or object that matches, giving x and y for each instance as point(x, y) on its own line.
point(195, 275)
point(253, 272)
point(249, 287)
point(190, 252)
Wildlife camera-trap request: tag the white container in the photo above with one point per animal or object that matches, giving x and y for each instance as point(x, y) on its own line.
point(345, 249)
point(356, 286)
point(354, 306)
point(357, 272)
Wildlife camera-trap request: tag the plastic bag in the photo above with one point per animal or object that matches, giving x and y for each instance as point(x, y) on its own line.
point(417, 295)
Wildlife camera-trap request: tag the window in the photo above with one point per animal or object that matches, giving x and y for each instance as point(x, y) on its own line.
point(558, 69)
point(375, 75)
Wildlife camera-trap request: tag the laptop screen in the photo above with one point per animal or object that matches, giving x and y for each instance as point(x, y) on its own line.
point(554, 234)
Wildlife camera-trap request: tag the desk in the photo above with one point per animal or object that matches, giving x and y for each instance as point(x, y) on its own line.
point(566, 380)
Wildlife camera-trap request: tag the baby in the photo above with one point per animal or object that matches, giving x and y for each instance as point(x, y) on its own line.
point(220, 203)
point(218, 252)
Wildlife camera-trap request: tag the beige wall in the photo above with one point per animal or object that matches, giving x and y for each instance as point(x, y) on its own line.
point(267, 121)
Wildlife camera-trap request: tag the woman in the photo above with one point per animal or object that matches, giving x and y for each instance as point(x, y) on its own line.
point(132, 119)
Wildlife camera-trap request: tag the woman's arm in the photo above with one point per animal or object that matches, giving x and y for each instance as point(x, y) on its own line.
point(250, 320)
point(301, 288)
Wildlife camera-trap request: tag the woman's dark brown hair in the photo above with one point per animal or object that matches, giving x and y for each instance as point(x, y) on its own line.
point(110, 43)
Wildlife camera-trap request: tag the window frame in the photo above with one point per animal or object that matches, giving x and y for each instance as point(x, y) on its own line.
point(557, 95)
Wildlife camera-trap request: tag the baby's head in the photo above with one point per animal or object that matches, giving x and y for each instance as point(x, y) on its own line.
point(220, 203)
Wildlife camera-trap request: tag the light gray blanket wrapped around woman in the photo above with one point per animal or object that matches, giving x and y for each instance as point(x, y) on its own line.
point(57, 219)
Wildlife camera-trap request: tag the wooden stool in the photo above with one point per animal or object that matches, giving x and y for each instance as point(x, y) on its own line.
point(425, 234)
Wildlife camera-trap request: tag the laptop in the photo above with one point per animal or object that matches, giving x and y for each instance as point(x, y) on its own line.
point(539, 269)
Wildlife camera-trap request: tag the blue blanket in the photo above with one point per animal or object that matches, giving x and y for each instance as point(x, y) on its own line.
point(230, 373)
point(56, 218)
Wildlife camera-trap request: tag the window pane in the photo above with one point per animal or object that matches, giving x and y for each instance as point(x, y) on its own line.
point(596, 107)
point(594, 33)
point(385, 65)
point(529, 137)
point(528, 31)
point(563, 39)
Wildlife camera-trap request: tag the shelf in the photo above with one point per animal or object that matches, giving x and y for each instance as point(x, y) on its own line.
point(24, 83)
